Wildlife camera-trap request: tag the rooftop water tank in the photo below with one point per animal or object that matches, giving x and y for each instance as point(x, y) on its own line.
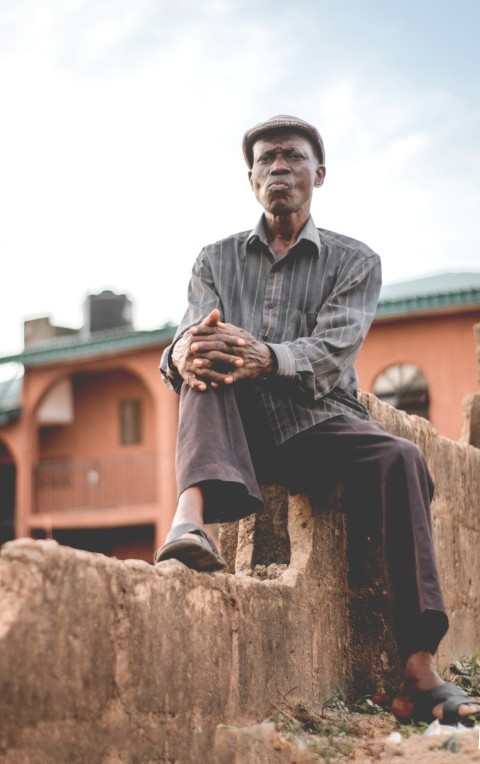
point(107, 310)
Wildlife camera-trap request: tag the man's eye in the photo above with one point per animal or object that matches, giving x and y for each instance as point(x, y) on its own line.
point(264, 158)
point(296, 157)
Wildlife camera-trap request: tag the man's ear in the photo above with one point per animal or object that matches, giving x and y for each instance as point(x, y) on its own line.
point(319, 176)
point(250, 177)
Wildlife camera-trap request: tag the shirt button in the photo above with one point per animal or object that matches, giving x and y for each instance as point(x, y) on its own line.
point(270, 304)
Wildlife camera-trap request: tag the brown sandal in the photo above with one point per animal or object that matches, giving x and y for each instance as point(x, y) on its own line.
point(200, 555)
point(452, 697)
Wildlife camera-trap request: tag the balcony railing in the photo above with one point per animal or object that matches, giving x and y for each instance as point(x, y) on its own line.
point(107, 481)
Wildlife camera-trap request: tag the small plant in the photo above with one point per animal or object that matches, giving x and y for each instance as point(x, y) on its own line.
point(412, 729)
point(465, 672)
point(337, 702)
point(310, 718)
point(327, 736)
point(365, 705)
point(330, 731)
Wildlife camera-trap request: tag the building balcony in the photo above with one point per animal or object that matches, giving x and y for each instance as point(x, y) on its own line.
point(97, 483)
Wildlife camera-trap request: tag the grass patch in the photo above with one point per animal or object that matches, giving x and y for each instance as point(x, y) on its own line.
point(407, 730)
point(465, 672)
point(330, 730)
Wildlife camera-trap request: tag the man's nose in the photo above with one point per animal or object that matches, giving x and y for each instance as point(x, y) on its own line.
point(280, 165)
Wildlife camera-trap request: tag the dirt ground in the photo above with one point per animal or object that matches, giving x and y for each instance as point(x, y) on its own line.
point(369, 739)
point(381, 739)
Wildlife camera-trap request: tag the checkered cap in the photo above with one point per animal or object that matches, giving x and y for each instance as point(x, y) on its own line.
point(281, 122)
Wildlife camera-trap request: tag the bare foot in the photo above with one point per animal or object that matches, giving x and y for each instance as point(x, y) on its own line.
point(420, 676)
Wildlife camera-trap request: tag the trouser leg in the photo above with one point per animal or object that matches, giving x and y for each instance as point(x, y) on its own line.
point(388, 474)
point(220, 431)
point(212, 453)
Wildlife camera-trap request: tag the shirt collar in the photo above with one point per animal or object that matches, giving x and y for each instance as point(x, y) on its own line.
point(309, 233)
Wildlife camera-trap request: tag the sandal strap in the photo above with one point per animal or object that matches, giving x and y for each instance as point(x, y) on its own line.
point(447, 692)
point(451, 697)
point(450, 710)
point(179, 530)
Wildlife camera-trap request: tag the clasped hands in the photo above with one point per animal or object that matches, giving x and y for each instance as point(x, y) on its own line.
point(213, 353)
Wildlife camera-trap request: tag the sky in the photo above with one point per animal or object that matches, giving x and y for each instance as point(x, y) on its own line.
point(121, 127)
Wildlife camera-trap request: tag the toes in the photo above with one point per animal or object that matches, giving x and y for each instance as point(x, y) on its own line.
point(468, 709)
point(463, 711)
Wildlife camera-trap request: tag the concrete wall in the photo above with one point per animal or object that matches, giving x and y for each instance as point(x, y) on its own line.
point(109, 661)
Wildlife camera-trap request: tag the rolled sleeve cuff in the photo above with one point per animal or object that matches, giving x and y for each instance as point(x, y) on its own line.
point(169, 372)
point(285, 360)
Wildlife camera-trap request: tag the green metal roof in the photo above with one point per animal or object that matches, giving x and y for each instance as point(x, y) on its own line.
point(443, 290)
point(70, 347)
point(82, 346)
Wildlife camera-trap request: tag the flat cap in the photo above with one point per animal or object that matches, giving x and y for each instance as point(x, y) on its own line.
point(282, 122)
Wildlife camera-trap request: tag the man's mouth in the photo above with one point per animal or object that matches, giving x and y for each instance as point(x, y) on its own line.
point(278, 184)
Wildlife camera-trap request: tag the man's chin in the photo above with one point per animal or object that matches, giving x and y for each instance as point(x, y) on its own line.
point(280, 208)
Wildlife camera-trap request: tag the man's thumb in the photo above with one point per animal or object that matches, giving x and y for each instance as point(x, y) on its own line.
point(212, 319)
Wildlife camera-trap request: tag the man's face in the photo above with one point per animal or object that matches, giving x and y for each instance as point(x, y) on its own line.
point(284, 173)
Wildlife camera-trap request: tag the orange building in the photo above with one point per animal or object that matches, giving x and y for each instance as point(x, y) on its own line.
point(420, 354)
point(87, 435)
point(87, 449)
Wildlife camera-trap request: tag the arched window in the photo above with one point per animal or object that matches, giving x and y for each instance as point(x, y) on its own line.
point(404, 386)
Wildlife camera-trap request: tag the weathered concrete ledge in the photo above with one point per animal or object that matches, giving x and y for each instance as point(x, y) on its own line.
point(109, 661)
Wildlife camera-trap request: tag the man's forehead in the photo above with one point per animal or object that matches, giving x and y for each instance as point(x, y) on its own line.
point(282, 137)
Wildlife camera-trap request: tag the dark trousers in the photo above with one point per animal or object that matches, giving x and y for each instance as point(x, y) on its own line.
point(225, 446)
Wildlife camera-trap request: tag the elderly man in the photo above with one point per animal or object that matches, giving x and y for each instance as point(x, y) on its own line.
point(264, 363)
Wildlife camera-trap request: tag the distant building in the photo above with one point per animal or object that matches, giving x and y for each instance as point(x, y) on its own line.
point(87, 438)
point(87, 435)
point(420, 354)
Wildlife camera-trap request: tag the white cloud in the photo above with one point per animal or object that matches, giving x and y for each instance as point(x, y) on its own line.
point(120, 148)
point(391, 179)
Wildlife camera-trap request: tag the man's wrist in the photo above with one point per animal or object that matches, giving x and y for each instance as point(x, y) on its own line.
point(284, 360)
point(176, 352)
point(271, 362)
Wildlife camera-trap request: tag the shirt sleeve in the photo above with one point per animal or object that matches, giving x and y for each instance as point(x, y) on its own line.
point(202, 299)
point(318, 362)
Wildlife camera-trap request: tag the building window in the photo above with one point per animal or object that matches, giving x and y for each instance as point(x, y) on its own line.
point(404, 386)
point(130, 421)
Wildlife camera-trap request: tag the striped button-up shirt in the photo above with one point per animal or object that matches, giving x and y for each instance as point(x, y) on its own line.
point(313, 308)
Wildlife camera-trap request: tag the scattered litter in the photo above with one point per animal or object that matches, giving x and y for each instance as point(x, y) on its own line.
point(450, 744)
point(365, 705)
point(381, 699)
point(394, 738)
point(435, 728)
